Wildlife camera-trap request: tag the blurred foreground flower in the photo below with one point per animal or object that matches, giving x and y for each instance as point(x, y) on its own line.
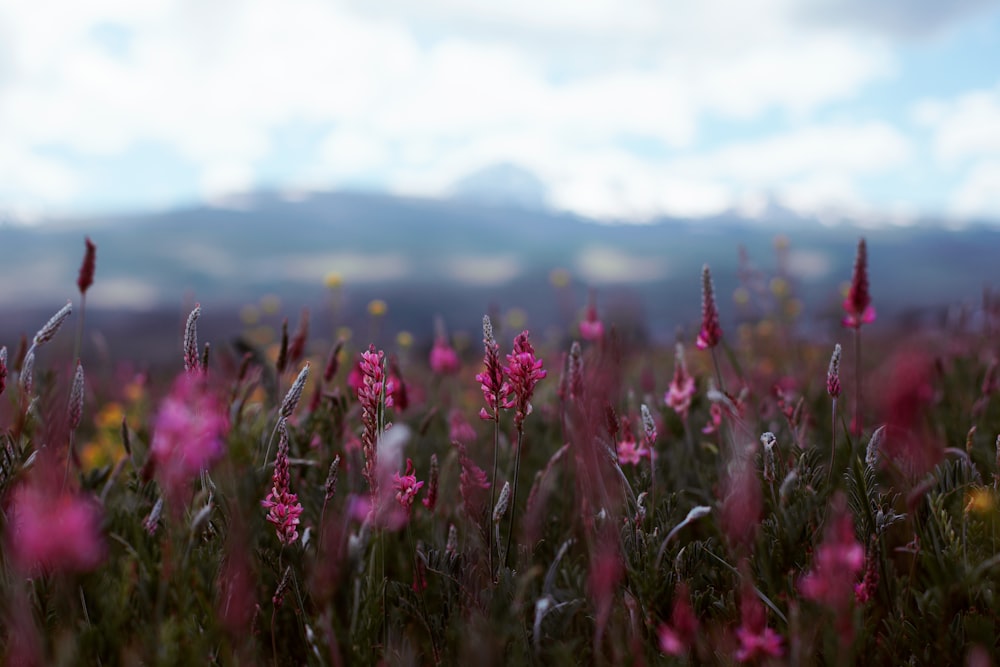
point(189, 434)
point(53, 531)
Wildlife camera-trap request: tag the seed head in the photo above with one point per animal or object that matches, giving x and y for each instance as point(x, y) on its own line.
point(833, 374)
point(76, 398)
point(191, 362)
point(47, 332)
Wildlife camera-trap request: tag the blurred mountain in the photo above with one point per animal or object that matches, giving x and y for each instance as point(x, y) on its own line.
point(502, 184)
point(460, 258)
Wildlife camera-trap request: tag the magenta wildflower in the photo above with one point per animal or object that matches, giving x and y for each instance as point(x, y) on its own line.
point(472, 483)
point(443, 360)
point(715, 419)
point(459, 428)
point(283, 506)
point(591, 328)
point(629, 450)
point(493, 381)
point(524, 371)
point(406, 486)
point(53, 531)
point(857, 305)
point(836, 563)
point(374, 394)
point(679, 636)
point(682, 387)
point(711, 331)
point(188, 434)
point(3, 368)
point(757, 640)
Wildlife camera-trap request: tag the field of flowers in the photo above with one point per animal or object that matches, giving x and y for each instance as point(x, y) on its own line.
point(747, 495)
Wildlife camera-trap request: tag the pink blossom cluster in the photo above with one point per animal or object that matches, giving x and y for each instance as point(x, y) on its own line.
point(682, 387)
point(836, 565)
point(53, 531)
point(188, 434)
point(493, 381)
point(525, 371)
point(591, 328)
point(677, 637)
point(444, 359)
point(629, 450)
point(757, 640)
point(283, 506)
point(406, 486)
point(374, 394)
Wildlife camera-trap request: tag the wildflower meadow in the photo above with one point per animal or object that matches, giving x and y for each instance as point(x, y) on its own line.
point(748, 490)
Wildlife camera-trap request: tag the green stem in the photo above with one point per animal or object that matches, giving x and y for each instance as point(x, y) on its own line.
point(493, 491)
point(513, 493)
point(833, 441)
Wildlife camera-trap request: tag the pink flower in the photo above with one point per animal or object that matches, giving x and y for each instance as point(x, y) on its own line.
point(459, 429)
point(444, 360)
point(374, 395)
point(525, 371)
point(189, 434)
point(756, 639)
point(715, 419)
point(711, 331)
point(472, 483)
point(493, 381)
point(284, 508)
point(679, 636)
point(591, 328)
point(836, 563)
point(407, 486)
point(682, 388)
point(52, 531)
point(857, 305)
point(630, 451)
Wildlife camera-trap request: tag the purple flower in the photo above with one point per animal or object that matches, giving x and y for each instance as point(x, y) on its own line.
point(444, 360)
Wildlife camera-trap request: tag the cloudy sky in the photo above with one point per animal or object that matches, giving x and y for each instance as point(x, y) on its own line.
point(624, 109)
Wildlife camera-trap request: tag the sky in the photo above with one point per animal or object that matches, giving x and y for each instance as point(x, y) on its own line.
point(881, 112)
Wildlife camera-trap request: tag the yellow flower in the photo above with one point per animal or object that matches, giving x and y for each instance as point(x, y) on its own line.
point(333, 280)
point(559, 277)
point(377, 308)
point(404, 339)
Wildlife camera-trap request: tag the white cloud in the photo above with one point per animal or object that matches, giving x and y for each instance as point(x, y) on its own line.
point(978, 196)
point(417, 95)
point(964, 128)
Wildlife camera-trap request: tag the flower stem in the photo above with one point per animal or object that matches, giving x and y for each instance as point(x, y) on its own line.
point(493, 492)
point(857, 381)
point(833, 440)
point(513, 494)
